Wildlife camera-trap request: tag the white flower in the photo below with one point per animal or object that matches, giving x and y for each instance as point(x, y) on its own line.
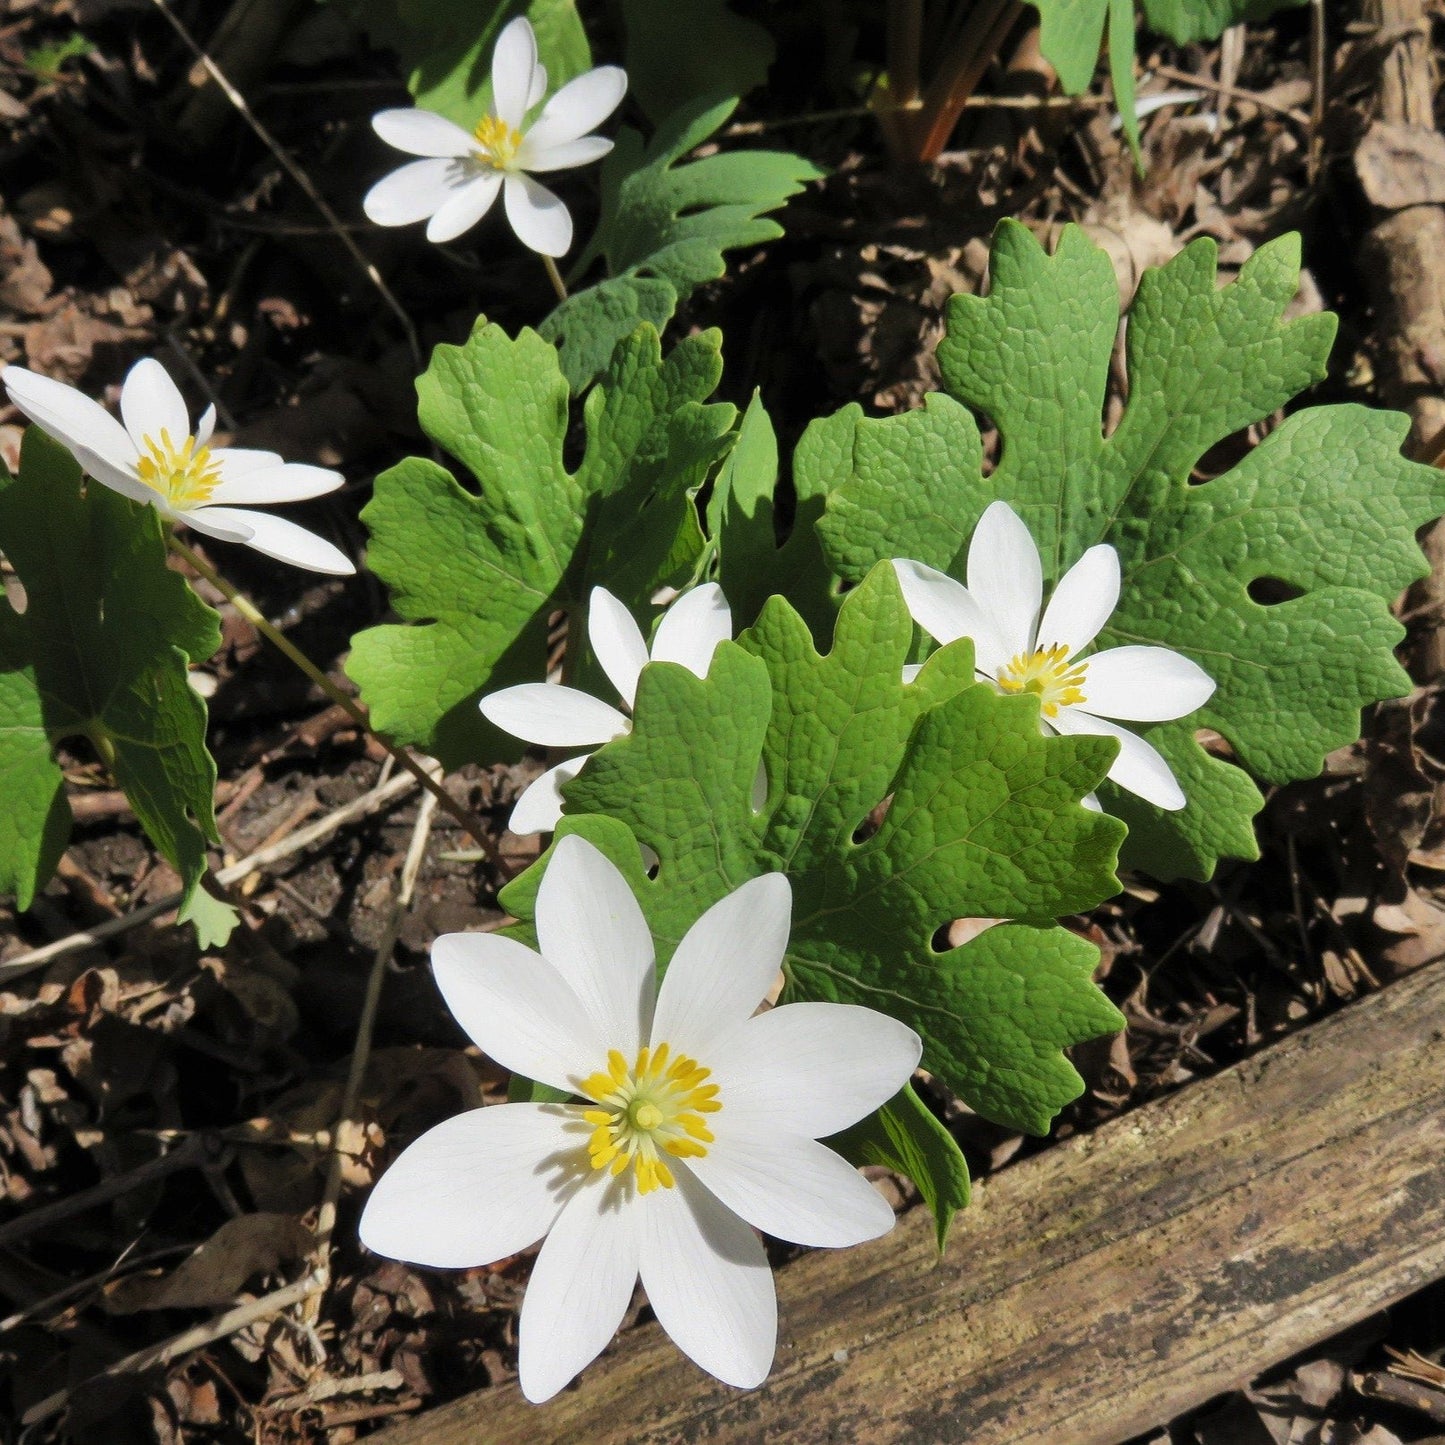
point(1019, 651)
point(563, 717)
point(701, 1124)
point(156, 458)
point(462, 172)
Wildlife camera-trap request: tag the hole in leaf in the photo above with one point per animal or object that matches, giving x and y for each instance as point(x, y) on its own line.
point(871, 824)
point(1271, 591)
point(939, 942)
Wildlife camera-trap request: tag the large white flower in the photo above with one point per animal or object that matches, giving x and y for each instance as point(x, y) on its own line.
point(1019, 651)
point(457, 182)
point(155, 457)
point(700, 1124)
point(565, 717)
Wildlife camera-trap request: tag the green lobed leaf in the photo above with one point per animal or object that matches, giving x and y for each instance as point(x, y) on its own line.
point(1325, 504)
point(664, 228)
point(476, 573)
point(688, 48)
point(984, 822)
point(904, 1136)
point(445, 46)
point(743, 524)
point(101, 652)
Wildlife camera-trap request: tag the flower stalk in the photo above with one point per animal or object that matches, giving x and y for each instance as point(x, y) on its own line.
point(347, 704)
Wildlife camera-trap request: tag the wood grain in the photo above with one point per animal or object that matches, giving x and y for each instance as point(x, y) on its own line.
point(1092, 1291)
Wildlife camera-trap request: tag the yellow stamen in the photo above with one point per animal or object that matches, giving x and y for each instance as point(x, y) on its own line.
point(1046, 672)
point(184, 475)
point(649, 1111)
point(497, 142)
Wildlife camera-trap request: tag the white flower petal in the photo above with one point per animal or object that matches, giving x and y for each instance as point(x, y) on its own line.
point(1145, 684)
point(538, 88)
point(514, 64)
point(580, 152)
point(476, 1188)
point(517, 1008)
point(552, 716)
point(538, 217)
point(946, 610)
point(466, 207)
point(70, 417)
point(278, 538)
point(580, 1288)
point(590, 928)
point(814, 1068)
point(227, 525)
point(580, 106)
point(723, 967)
point(708, 1281)
point(618, 642)
point(411, 192)
point(150, 402)
point(1083, 601)
point(249, 478)
point(1005, 576)
point(792, 1188)
point(1138, 769)
point(120, 479)
point(692, 627)
point(422, 133)
point(206, 426)
point(539, 808)
point(912, 669)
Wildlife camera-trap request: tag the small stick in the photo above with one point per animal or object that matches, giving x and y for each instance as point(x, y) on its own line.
point(1207, 82)
point(555, 277)
point(277, 638)
point(361, 1050)
point(378, 797)
point(197, 1151)
point(297, 174)
point(195, 1338)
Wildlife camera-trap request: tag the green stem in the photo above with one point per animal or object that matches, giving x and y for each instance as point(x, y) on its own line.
point(348, 705)
point(555, 277)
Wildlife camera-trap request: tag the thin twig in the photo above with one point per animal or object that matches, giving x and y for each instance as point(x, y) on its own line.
point(348, 705)
point(370, 802)
point(878, 112)
point(194, 1338)
point(361, 1050)
point(297, 174)
point(198, 1151)
point(1207, 82)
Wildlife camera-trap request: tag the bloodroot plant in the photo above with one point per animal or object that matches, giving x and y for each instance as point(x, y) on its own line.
point(855, 706)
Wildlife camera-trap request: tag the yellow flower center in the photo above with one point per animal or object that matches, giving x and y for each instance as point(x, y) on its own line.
point(185, 476)
point(1046, 671)
point(653, 1109)
point(497, 142)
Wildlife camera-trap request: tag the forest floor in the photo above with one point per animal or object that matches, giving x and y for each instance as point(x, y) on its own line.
point(141, 215)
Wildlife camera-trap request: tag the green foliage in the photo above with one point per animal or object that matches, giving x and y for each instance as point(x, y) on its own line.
point(743, 526)
point(1325, 504)
point(984, 822)
point(477, 573)
point(100, 652)
point(687, 48)
point(664, 228)
point(445, 46)
point(48, 61)
point(905, 1137)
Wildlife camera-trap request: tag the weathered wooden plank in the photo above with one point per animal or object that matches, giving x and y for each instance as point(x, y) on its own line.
point(1094, 1290)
